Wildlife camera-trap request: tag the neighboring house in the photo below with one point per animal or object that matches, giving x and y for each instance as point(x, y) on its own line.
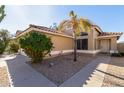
point(90, 41)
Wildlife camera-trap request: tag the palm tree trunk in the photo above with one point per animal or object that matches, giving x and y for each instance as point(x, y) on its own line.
point(75, 48)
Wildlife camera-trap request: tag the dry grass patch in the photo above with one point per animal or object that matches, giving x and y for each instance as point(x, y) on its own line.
point(62, 67)
point(4, 80)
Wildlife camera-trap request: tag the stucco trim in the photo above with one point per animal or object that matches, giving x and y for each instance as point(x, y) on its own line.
point(89, 51)
point(105, 37)
point(82, 37)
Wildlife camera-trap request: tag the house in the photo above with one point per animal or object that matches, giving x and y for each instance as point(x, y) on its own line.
point(89, 42)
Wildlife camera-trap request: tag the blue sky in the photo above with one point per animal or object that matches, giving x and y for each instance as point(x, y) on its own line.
point(109, 18)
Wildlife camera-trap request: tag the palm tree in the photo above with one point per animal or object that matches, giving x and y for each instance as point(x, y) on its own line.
point(2, 12)
point(78, 25)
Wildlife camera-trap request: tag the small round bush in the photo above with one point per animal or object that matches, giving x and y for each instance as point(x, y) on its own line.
point(13, 47)
point(36, 45)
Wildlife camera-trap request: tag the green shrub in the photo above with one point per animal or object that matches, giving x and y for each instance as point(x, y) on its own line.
point(122, 53)
point(116, 55)
point(4, 40)
point(13, 47)
point(2, 46)
point(36, 45)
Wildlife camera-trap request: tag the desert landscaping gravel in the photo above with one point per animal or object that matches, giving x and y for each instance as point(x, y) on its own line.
point(114, 76)
point(61, 68)
point(4, 80)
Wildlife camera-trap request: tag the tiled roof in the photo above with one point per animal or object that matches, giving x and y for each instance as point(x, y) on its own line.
point(63, 33)
point(110, 33)
point(42, 28)
point(18, 32)
point(98, 28)
point(47, 29)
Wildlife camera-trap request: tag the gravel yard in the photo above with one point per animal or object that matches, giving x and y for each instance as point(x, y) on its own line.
point(62, 67)
point(114, 76)
point(4, 80)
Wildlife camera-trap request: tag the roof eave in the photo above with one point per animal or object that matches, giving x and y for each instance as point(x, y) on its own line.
point(29, 29)
point(110, 36)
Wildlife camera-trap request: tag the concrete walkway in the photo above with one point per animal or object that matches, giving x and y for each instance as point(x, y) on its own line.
point(22, 75)
point(89, 76)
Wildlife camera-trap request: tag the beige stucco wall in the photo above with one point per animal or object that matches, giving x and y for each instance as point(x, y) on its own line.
point(95, 42)
point(120, 47)
point(90, 40)
point(114, 43)
point(92, 43)
point(105, 45)
point(61, 43)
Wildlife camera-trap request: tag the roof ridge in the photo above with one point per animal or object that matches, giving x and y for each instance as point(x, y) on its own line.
point(47, 29)
point(36, 25)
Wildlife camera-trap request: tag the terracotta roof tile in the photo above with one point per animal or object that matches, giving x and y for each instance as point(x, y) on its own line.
point(42, 28)
point(47, 29)
point(18, 32)
point(98, 28)
point(110, 33)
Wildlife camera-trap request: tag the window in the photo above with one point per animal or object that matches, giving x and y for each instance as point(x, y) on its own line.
point(82, 44)
point(84, 33)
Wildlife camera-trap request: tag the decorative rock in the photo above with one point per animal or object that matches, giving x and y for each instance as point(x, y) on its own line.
point(51, 64)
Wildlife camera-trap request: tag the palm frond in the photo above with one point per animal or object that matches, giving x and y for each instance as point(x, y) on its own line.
point(78, 31)
point(85, 24)
point(79, 25)
point(2, 12)
point(71, 14)
point(62, 24)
